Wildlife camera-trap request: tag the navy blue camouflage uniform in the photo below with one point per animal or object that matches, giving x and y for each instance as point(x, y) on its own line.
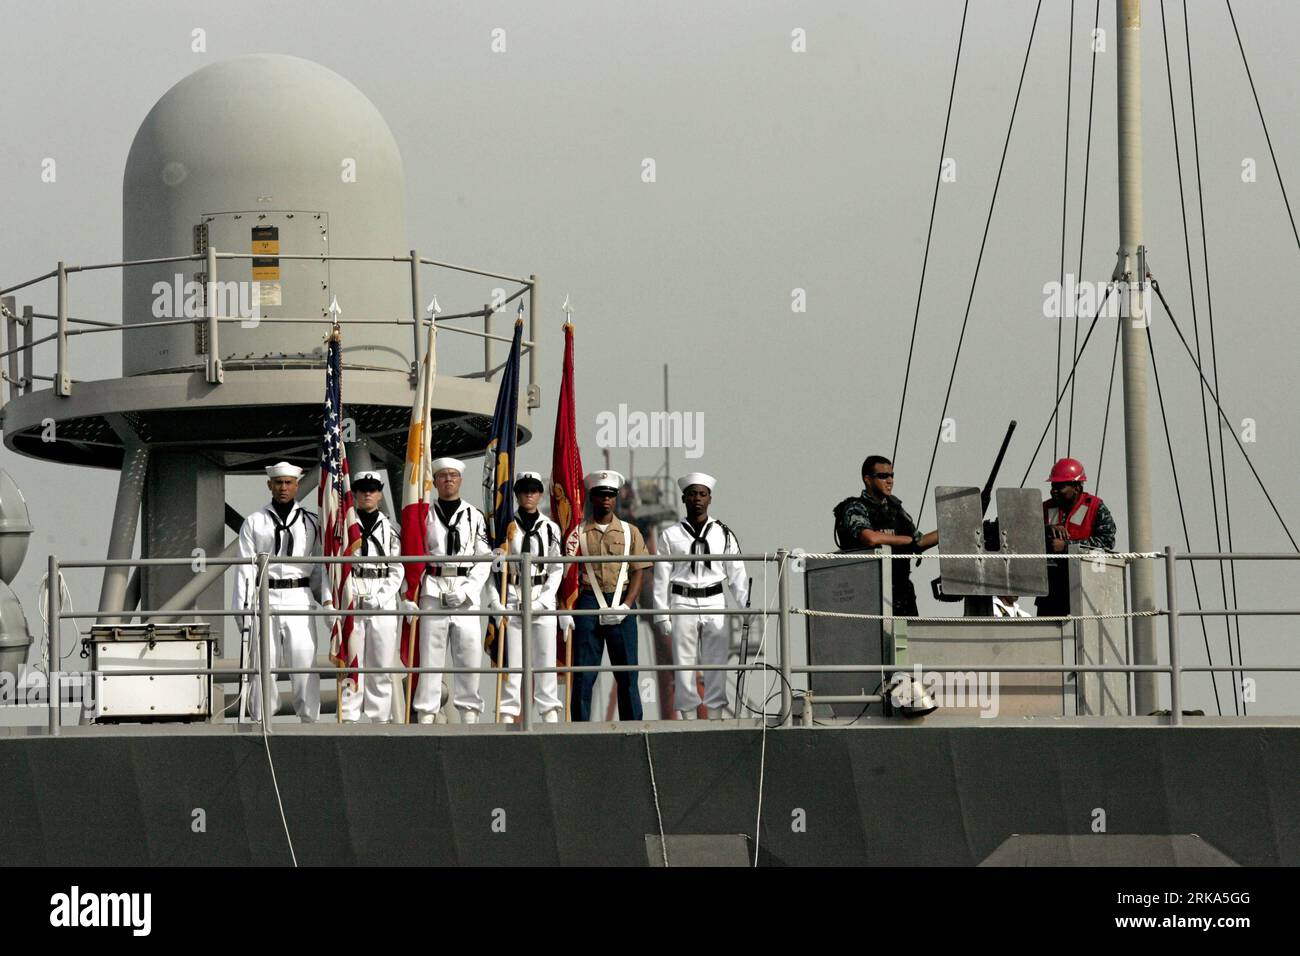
point(866, 513)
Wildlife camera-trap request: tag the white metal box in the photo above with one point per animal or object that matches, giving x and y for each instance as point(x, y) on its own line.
point(151, 696)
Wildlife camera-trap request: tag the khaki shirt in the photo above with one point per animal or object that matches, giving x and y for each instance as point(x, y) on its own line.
point(611, 542)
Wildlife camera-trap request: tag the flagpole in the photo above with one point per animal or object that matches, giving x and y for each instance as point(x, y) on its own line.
point(420, 467)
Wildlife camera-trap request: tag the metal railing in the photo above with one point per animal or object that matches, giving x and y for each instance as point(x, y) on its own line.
point(20, 371)
point(263, 613)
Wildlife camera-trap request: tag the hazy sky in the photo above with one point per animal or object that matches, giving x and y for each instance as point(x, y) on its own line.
point(776, 170)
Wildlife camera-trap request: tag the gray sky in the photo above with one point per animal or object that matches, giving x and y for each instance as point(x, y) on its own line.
point(776, 171)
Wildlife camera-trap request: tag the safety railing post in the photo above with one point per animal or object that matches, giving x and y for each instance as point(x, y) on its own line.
point(265, 670)
point(25, 334)
point(487, 343)
point(52, 637)
point(783, 631)
point(1175, 669)
point(416, 306)
point(214, 374)
point(11, 344)
point(532, 332)
point(525, 639)
point(62, 380)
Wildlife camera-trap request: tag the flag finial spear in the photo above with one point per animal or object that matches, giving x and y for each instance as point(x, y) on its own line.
point(335, 312)
point(434, 308)
point(567, 310)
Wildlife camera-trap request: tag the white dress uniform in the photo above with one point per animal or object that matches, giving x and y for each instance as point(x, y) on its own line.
point(451, 585)
point(544, 539)
point(292, 585)
point(698, 583)
point(375, 586)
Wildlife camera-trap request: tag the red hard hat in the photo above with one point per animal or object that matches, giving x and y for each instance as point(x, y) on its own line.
point(1067, 469)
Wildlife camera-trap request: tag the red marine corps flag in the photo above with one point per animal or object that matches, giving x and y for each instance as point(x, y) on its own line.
point(417, 496)
point(567, 492)
point(340, 527)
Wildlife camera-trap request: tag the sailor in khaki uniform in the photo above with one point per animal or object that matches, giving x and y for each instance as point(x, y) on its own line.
point(697, 583)
point(375, 586)
point(284, 530)
point(454, 527)
point(532, 532)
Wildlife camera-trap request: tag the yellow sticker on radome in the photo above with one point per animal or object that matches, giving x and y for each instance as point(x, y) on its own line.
point(266, 273)
point(266, 247)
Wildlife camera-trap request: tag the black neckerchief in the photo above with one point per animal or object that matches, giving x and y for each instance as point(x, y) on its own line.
point(444, 511)
point(369, 520)
point(529, 524)
point(699, 543)
point(282, 528)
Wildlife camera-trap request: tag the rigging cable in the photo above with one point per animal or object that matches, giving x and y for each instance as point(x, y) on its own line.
point(1083, 213)
point(1260, 110)
point(1196, 336)
point(1065, 195)
point(1155, 286)
point(1214, 357)
point(1105, 421)
point(1182, 516)
point(929, 232)
point(1056, 409)
point(979, 260)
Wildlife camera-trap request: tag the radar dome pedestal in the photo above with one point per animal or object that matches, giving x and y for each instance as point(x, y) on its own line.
point(270, 164)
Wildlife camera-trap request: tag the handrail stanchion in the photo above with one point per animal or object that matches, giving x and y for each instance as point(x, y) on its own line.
point(266, 672)
point(1175, 670)
point(783, 630)
point(52, 627)
point(525, 639)
point(62, 381)
point(487, 342)
point(415, 307)
point(25, 334)
point(532, 332)
point(214, 375)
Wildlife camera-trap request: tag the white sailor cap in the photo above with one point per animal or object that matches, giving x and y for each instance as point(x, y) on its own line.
point(603, 479)
point(441, 464)
point(524, 481)
point(696, 478)
point(282, 469)
point(364, 476)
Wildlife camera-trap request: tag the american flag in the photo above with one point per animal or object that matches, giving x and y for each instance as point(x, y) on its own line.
point(340, 526)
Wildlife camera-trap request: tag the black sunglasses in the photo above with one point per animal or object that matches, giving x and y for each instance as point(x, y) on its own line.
point(883, 475)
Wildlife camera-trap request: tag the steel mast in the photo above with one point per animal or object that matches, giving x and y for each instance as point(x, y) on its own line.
point(1131, 269)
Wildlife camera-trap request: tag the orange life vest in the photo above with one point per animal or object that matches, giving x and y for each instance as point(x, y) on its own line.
point(1078, 523)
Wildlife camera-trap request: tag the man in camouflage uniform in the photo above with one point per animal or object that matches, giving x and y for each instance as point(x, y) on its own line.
point(876, 517)
point(1071, 515)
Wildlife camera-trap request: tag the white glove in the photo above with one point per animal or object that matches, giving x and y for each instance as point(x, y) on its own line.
point(408, 607)
point(613, 612)
point(663, 625)
point(366, 602)
point(494, 604)
point(565, 622)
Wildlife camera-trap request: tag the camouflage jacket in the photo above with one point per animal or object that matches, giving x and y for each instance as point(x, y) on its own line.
point(866, 513)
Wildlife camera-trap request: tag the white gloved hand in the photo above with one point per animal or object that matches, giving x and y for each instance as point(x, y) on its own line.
point(613, 616)
point(565, 622)
point(494, 604)
point(408, 607)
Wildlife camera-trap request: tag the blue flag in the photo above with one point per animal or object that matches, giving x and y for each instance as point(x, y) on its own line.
point(499, 479)
point(499, 458)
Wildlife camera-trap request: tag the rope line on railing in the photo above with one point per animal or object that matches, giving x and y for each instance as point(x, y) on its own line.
point(808, 612)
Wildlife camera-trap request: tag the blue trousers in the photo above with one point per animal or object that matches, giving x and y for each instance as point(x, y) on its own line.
point(589, 638)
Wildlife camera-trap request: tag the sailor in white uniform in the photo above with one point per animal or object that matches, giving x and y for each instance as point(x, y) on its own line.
point(537, 534)
point(375, 587)
point(284, 530)
point(454, 527)
point(696, 582)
